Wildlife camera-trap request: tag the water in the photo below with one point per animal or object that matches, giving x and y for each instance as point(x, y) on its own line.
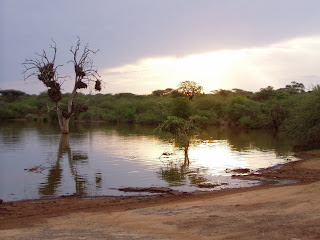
point(95, 159)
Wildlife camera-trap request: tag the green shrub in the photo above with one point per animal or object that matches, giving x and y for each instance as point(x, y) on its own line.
point(109, 117)
point(303, 123)
point(211, 116)
point(148, 118)
point(181, 108)
point(247, 122)
point(127, 113)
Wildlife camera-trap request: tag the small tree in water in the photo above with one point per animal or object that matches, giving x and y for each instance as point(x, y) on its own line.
point(45, 69)
point(182, 130)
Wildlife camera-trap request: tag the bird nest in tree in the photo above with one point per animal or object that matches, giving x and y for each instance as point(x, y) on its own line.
point(81, 84)
point(47, 73)
point(97, 86)
point(79, 71)
point(55, 94)
point(53, 84)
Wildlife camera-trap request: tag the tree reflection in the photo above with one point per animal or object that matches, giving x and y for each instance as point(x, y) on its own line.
point(55, 175)
point(244, 139)
point(176, 173)
point(182, 130)
point(173, 174)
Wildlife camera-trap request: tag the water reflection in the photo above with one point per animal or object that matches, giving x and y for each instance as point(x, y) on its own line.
point(173, 171)
point(55, 174)
point(244, 139)
point(176, 173)
point(10, 136)
point(121, 129)
point(97, 158)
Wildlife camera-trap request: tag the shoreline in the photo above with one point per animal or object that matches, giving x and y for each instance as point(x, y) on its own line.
point(265, 176)
point(282, 211)
point(297, 171)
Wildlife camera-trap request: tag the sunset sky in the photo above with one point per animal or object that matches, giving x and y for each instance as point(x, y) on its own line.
point(147, 45)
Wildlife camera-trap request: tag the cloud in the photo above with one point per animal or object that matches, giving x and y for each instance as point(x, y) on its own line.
point(250, 68)
point(126, 31)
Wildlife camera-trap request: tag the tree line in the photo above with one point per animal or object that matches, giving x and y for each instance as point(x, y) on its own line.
point(291, 109)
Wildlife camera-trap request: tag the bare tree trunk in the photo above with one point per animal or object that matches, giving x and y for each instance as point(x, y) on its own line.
point(65, 125)
point(63, 121)
point(186, 154)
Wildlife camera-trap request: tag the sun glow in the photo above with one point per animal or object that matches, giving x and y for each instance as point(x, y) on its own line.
point(216, 156)
point(249, 69)
point(210, 68)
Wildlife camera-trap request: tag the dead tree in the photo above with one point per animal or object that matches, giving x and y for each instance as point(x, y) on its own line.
point(86, 75)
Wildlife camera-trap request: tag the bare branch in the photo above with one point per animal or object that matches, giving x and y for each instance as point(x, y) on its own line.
point(83, 66)
point(44, 68)
point(55, 50)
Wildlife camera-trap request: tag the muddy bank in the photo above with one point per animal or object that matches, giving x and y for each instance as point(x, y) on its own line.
point(264, 212)
point(306, 170)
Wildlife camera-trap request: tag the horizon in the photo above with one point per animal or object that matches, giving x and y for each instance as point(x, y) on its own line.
point(92, 92)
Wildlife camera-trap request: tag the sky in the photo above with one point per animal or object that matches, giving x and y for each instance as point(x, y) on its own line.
point(147, 45)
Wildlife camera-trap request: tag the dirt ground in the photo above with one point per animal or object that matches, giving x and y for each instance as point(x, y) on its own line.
point(264, 212)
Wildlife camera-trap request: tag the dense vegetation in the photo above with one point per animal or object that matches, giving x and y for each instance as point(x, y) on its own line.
point(291, 109)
